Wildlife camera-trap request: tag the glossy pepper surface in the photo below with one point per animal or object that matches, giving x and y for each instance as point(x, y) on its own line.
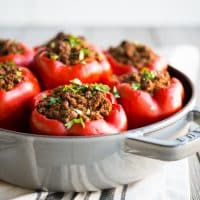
point(143, 108)
point(15, 103)
point(20, 59)
point(54, 72)
point(115, 122)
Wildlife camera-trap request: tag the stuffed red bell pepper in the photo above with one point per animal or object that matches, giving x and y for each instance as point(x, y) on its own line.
point(77, 110)
point(148, 96)
point(130, 57)
point(67, 57)
point(17, 52)
point(17, 88)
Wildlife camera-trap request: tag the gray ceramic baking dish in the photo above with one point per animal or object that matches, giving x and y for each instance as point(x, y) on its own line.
point(92, 163)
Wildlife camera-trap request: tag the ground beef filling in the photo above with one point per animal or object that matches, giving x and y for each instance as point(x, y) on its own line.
point(70, 50)
point(148, 81)
point(10, 75)
point(76, 104)
point(133, 54)
point(10, 47)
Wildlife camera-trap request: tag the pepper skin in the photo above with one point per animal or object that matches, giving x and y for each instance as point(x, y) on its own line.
point(15, 103)
point(24, 59)
point(143, 108)
point(118, 68)
point(115, 122)
point(54, 73)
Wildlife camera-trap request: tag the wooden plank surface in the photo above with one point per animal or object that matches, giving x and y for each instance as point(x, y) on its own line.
point(156, 37)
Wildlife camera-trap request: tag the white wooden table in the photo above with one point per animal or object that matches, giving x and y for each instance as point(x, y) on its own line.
point(104, 36)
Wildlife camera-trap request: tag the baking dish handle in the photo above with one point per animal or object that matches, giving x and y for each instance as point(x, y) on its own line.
point(167, 150)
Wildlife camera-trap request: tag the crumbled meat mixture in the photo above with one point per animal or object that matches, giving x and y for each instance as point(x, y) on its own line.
point(70, 49)
point(76, 103)
point(10, 47)
point(129, 53)
point(10, 75)
point(146, 80)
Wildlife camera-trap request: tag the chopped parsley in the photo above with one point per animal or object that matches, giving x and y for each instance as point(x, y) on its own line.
point(100, 87)
point(115, 92)
point(83, 53)
point(77, 86)
point(70, 49)
point(136, 86)
point(73, 41)
point(72, 104)
point(69, 124)
point(54, 56)
point(54, 100)
point(148, 75)
point(10, 63)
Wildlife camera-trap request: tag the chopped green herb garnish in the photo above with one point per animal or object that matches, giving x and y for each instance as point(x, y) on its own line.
point(73, 41)
point(10, 63)
point(136, 86)
point(86, 51)
point(115, 92)
point(75, 87)
point(54, 100)
point(83, 53)
point(78, 88)
point(54, 56)
point(75, 121)
point(101, 87)
point(65, 88)
point(148, 75)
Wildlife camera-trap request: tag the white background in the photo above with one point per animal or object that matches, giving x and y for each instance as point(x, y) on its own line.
point(100, 12)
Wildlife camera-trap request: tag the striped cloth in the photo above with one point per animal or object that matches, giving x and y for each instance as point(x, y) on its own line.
point(170, 183)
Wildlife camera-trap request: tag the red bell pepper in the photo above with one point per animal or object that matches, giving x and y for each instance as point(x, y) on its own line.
point(25, 59)
point(143, 108)
point(15, 103)
point(118, 68)
point(115, 122)
point(54, 73)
